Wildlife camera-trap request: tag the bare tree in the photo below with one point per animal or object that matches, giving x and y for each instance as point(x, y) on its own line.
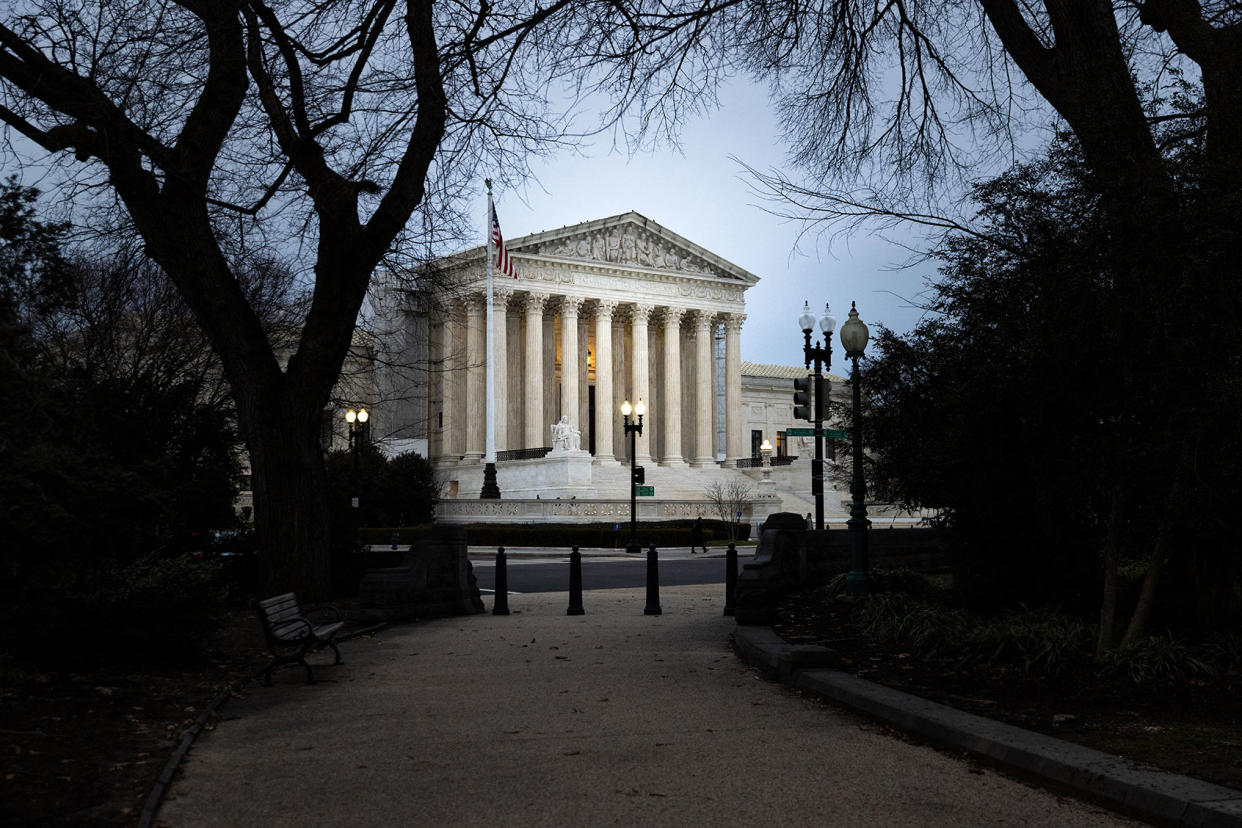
point(317, 129)
point(729, 498)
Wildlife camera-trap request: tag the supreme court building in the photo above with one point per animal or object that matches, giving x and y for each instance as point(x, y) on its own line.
point(600, 312)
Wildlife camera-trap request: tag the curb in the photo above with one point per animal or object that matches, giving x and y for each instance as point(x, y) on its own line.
point(1120, 785)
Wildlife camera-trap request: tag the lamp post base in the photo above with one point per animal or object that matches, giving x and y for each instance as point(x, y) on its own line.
point(858, 580)
point(653, 582)
point(490, 490)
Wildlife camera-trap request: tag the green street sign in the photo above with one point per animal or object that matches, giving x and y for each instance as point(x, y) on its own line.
point(830, 433)
point(646, 491)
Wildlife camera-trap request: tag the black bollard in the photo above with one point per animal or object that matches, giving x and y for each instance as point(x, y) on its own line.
point(730, 578)
point(653, 582)
point(501, 605)
point(575, 584)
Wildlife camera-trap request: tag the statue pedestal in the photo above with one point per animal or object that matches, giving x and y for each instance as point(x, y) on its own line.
point(560, 474)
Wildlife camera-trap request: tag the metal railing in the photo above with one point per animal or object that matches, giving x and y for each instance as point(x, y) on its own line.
point(757, 462)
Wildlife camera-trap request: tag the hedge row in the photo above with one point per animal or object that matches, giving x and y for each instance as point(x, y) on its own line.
point(669, 533)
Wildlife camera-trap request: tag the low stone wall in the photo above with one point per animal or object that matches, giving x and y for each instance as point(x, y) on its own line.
point(789, 558)
point(571, 510)
point(434, 578)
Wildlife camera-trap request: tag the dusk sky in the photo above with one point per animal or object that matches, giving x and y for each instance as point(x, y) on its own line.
point(703, 195)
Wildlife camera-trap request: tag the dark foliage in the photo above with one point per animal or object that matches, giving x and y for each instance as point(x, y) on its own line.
point(1043, 390)
point(116, 453)
point(397, 492)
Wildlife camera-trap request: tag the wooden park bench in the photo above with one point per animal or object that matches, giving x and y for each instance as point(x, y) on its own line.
point(291, 635)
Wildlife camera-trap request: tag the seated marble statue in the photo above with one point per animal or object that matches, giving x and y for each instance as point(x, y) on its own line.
point(565, 437)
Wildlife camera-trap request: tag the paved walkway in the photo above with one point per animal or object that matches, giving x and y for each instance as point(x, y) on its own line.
point(611, 718)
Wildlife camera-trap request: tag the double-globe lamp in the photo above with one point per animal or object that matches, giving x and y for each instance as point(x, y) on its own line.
point(633, 430)
point(821, 358)
point(355, 420)
point(827, 322)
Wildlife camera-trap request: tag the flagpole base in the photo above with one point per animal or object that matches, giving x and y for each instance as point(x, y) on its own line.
point(490, 490)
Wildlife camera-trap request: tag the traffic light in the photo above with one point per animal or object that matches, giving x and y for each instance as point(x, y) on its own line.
point(802, 399)
point(640, 475)
point(821, 398)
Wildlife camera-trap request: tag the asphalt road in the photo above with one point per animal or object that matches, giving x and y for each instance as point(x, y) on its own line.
point(603, 573)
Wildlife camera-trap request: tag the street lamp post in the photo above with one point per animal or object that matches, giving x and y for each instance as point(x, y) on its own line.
point(356, 420)
point(633, 429)
point(821, 357)
point(858, 581)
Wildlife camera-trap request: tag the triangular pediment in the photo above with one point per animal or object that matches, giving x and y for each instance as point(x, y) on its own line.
point(630, 240)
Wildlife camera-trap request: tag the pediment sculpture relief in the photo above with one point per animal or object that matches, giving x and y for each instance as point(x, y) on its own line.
point(626, 246)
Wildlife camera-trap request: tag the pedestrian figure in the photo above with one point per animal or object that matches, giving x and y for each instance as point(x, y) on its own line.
point(696, 536)
point(810, 524)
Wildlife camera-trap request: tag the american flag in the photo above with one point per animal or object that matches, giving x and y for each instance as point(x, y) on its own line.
point(503, 263)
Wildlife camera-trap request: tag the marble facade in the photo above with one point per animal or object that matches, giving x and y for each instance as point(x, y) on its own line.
point(601, 312)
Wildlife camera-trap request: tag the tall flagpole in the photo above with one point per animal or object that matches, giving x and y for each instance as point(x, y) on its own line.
point(491, 491)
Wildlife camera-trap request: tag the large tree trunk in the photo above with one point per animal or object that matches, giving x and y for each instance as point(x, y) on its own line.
point(291, 507)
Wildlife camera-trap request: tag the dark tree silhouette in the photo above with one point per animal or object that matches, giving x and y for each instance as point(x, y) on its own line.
point(225, 126)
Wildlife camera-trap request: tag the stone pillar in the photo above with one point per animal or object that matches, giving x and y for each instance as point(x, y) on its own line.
point(704, 399)
point(639, 381)
point(670, 416)
point(500, 352)
point(569, 358)
point(449, 450)
point(476, 378)
point(605, 412)
point(535, 427)
point(733, 388)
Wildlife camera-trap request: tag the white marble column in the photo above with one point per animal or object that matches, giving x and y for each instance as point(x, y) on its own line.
point(500, 374)
point(570, 359)
point(533, 380)
point(605, 412)
point(639, 383)
point(476, 388)
point(670, 415)
point(449, 450)
point(733, 388)
point(704, 399)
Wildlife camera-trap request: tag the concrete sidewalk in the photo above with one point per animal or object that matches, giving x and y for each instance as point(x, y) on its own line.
point(611, 718)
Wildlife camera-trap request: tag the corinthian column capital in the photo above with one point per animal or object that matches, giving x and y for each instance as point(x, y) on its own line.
point(640, 312)
point(733, 322)
point(701, 322)
point(672, 316)
point(605, 308)
point(536, 302)
point(571, 305)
